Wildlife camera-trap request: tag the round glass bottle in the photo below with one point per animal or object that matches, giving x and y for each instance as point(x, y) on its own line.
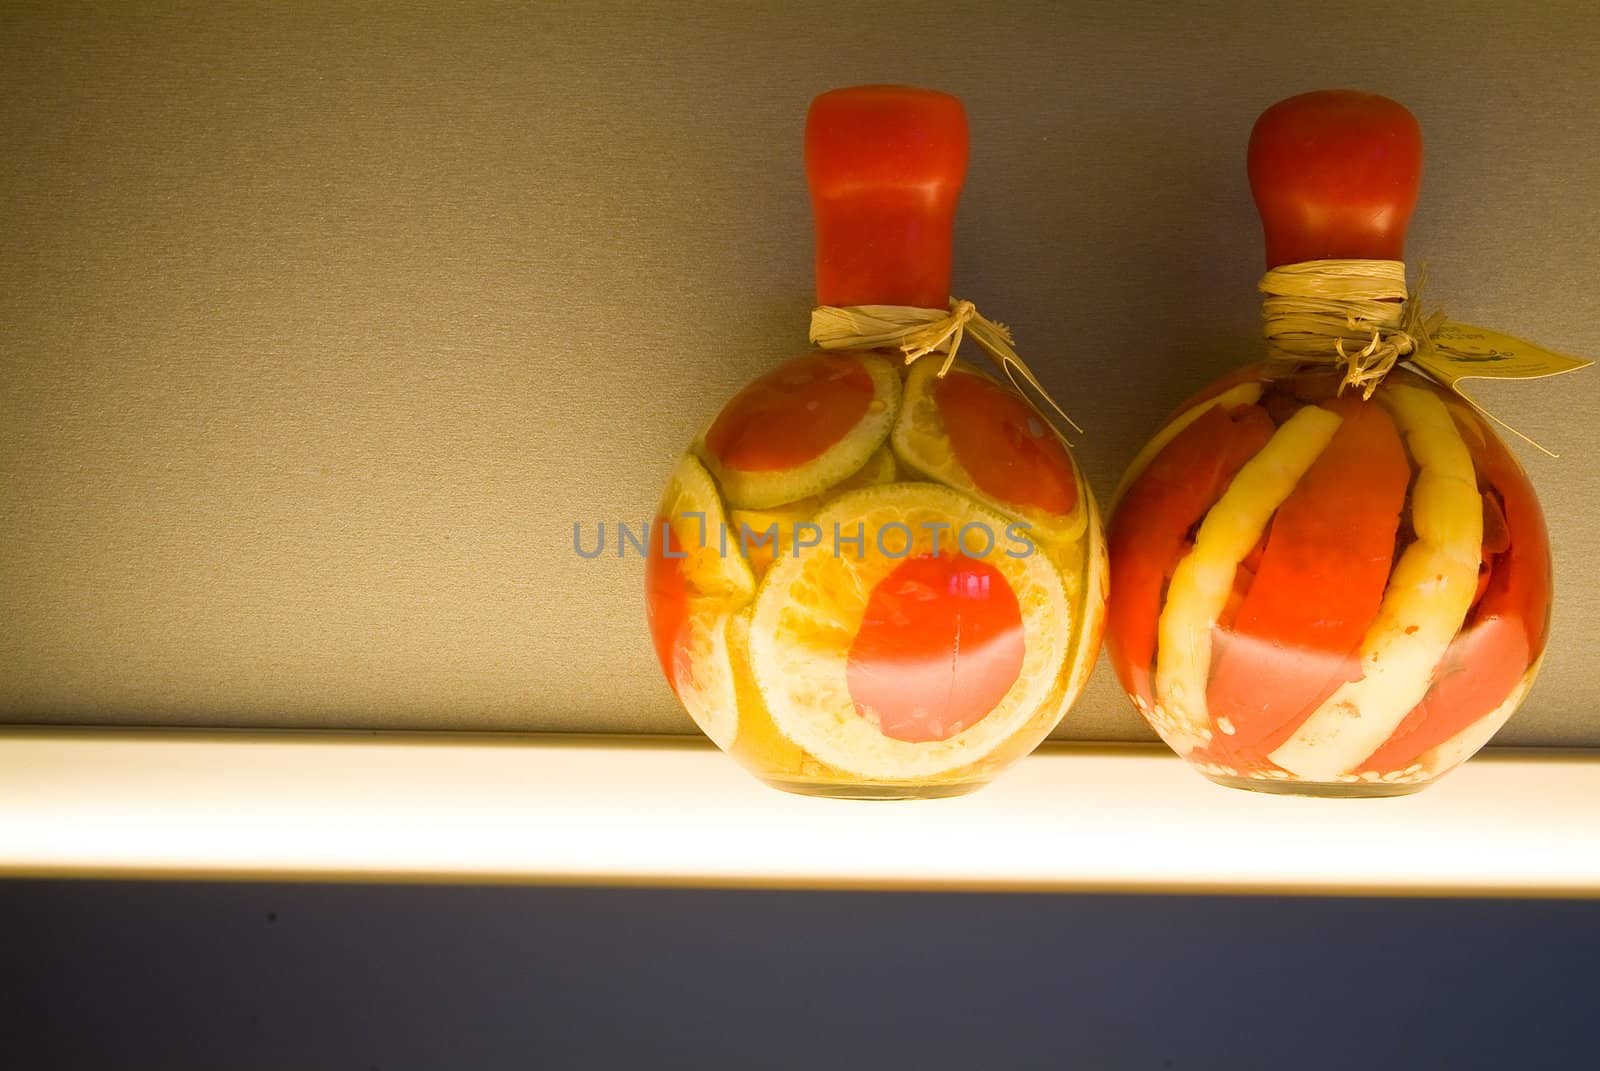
point(869, 579)
point(1315, 591)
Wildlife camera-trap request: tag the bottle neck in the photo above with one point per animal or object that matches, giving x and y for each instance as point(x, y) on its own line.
point(885, 165)
point(884, 247)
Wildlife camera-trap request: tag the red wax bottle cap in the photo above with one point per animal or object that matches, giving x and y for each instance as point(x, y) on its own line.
point(885, 166)
point(1335, 176)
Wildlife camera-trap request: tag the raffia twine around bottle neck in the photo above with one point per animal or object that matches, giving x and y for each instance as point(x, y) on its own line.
point(1356, 315)
point(919, 333)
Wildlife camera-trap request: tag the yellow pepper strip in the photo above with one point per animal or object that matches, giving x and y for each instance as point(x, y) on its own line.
point(1423, 608)
point(1204, 578)
point(1243, 394)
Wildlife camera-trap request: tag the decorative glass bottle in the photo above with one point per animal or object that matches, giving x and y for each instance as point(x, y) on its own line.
point(1329, 576)
point(875, 576)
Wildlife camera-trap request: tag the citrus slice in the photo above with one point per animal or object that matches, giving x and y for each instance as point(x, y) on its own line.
point(965, 430)
point(801, 428)
point(694, 580)
point(889, 653)
point(760, 744)
point(1087, 581)
point(764, 535)
point(702, 675)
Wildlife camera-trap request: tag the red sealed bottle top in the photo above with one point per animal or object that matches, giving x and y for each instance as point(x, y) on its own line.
point(885, 165)
point(1335, 174)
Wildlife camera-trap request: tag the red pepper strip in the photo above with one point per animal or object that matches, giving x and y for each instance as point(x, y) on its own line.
point(1503, 635)
point(1318, 586)
point(1149, 532)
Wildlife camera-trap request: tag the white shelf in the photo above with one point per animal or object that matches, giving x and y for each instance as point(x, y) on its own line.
point(619, 810)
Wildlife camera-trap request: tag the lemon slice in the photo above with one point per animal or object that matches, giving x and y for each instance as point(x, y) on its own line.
point(765, 535)
point(760, 745)
point(703, 675)
point(1088, 584)
point(802, 428)
point(810, 609)
point(712, 563)
point(1018, 441)
point(695, 581)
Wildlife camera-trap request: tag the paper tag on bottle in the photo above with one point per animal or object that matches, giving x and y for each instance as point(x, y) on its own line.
point(1465, 351)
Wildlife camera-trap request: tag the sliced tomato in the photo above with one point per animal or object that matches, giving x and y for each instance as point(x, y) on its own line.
point(1318, 585)
point(1010, 451)
point(939, 646)
point(1505, 632)
point(792, 414)
point(1150, 529)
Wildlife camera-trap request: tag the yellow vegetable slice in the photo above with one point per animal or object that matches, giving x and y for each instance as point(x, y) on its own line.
point(712, 563)
point(764, 535)
point(1423, 608)
point(809, 609)
point(1089, 597)
point(705, 681)
point(693, 590)
point(1203, 579)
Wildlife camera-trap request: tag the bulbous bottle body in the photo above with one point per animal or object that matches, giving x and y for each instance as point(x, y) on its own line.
point(1324, 595)
point(876, 582)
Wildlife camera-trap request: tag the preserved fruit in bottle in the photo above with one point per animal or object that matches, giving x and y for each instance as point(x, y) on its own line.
point(878, 572)
point(1329, 576)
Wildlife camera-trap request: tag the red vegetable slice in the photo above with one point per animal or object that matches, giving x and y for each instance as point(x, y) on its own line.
point(1150, 529)
point(1318, 585)
point(1505, 633)
point(939, 646)
point(1009, 450)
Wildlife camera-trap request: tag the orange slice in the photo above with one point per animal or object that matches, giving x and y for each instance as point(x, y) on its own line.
point(694, 580)
point(900, 659)
point(801, 428)
point(967, 431)
point(767, 534)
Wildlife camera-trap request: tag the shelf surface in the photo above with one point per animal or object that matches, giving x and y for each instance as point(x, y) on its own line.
point(662, 811)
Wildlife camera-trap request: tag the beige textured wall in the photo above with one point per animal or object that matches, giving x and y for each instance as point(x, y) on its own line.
point(321, 326)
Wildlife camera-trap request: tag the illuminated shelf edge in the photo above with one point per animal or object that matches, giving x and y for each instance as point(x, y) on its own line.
point(409, 807)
